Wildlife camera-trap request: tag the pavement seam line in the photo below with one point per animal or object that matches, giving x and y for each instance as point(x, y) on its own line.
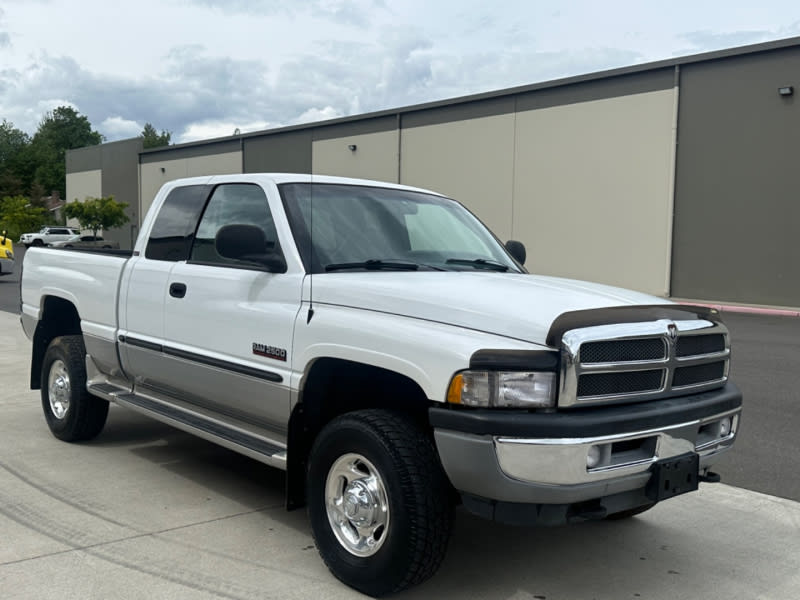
point(86, 547)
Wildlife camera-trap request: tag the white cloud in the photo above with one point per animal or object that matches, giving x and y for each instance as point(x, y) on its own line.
point(214, 129)
point(317, 114)
point(115, 128)
point(202, 68)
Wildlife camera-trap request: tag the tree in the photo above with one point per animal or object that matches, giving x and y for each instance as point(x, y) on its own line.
point(152, 139)
point(17, 216)
point(97, 213)
point(13, 143)
point(60, 130)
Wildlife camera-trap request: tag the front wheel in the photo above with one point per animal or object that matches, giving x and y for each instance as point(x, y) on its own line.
point(379, 502)
point(71, 412)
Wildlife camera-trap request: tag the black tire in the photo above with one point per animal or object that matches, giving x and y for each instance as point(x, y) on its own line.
point(67, 245)
point(72, 413)
point(37, 242)
point(631, 512)
point(412, 545)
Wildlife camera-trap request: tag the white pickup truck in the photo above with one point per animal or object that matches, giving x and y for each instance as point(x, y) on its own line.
point(381, 346)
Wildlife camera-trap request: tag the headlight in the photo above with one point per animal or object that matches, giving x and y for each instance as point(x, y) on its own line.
point(508, 389)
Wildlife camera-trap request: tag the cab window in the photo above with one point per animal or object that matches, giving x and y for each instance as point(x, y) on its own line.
point(232, 204)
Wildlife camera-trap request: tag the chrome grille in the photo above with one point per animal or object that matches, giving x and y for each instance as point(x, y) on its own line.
point(623, 350)
point(642, 361)
point(686, 376)
point(611, 384)
point(693, 345)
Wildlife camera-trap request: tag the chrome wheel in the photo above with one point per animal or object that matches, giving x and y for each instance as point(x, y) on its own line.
point(357, 504)
point(58, 388)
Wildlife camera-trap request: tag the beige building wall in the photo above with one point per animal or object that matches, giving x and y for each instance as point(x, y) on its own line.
point(375, 156)
point(155, 174)
point(81, 185)
point(593, 189)
point(470, 160)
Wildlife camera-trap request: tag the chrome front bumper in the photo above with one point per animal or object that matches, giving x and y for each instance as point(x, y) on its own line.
point(568, 461)
point(578, 456)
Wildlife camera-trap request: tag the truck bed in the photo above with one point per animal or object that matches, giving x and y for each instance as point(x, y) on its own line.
point(87, 279)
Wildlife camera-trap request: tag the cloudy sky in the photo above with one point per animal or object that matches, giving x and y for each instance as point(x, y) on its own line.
point(203, 68)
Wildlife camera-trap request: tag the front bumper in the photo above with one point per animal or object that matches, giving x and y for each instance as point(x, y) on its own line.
point(541, 458)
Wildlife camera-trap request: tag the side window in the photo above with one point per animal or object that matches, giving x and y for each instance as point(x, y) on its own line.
point(173, 230)
point(232, 204)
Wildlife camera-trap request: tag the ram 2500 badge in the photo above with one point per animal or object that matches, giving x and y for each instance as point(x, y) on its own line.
point(381, 346)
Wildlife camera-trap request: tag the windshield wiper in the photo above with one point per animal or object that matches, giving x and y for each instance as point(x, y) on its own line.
point(478, 263)
point(374, 264)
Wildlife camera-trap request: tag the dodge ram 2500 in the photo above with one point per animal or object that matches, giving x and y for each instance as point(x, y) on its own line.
point(381, 346)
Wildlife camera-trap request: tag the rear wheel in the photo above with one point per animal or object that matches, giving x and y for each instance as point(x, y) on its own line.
point(72, 413)
point(379, 502)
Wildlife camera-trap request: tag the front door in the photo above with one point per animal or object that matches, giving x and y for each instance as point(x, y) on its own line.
point(228, 324)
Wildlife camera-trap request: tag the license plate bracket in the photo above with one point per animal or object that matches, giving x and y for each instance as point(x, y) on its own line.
point(674, 476)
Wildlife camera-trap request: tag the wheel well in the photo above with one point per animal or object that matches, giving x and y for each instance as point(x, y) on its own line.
point(59, 317)
point(333, 387)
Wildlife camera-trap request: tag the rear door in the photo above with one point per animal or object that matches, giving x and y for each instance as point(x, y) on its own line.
point(144, 289)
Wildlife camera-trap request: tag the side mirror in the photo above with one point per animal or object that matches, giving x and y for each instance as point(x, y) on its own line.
point(248, 243)
point(517, 251)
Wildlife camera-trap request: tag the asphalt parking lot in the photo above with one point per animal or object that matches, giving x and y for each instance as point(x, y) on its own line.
point(145, 512)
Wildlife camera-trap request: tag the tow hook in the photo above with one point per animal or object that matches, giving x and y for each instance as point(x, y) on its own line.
point(709, 477)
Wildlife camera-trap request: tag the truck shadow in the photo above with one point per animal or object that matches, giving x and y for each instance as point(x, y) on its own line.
point(636, 558)
point(207, 464)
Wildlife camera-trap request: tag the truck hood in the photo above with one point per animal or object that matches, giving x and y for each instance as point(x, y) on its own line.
point(513, 305)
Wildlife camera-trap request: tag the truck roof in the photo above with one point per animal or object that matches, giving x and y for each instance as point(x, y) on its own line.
point(279, 178)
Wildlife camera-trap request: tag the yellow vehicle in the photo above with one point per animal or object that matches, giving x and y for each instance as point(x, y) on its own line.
point(6, 255)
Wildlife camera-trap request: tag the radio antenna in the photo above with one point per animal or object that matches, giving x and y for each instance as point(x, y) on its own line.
point(311, 251)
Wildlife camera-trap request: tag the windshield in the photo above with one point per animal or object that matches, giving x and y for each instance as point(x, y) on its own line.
point(372, 228)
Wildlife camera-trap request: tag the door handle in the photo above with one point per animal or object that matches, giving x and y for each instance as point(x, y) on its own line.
point(177, 290)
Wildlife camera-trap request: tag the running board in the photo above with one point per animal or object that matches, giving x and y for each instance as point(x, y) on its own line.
point(243, 442)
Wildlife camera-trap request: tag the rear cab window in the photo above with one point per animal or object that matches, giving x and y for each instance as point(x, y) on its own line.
point(173, 230)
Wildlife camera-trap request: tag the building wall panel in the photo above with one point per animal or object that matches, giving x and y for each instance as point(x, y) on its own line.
point(84, 184)
point(375, 156)
point(592, 189)
point(121, 180)
point(471, 160)
point(288, 152)
point(736, 206)
point(157, 173)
